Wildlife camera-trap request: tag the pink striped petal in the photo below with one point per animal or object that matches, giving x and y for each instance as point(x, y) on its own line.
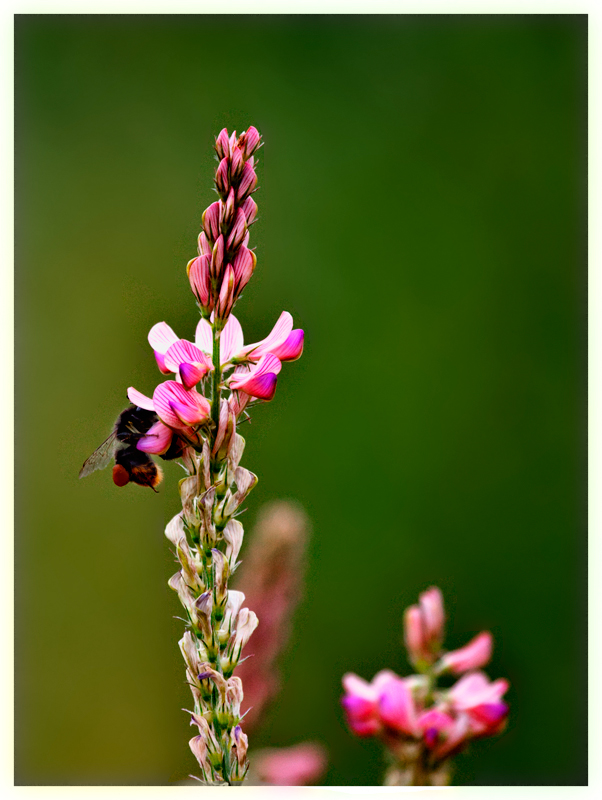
point(231, 340)
point(161, 337)
point(292, 348)
point(204, 337)
point(157, 439)
point(169, 392)
point(275, 338)
point(185, 352)
point(140, 400)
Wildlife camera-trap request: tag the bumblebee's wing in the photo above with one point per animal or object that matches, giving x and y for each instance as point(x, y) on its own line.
point(100, 457)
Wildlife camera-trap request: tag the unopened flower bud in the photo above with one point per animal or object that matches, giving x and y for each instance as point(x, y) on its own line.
point(243, 265)
point(217, 257)
point(245, 481)
point(246, 623)
point(249, 208)
point(198, 745)
point(222, 180)
point(238, 232)
point(249, 141)
point(204, 246)
point(210, 221)
point(240, 745)
point(190, 653)
point(248, 182)
point(226, 298)
point(200, 281)
point(222, 144)
point(236, 163)
point(234, 697)
point(228, 209)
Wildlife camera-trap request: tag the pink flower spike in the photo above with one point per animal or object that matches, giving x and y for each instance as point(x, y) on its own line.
point(396, 706)
point(278, 336)
point(178, 407)
point(292, 348)
point(222, 144)
point(474, 655)
point(157, 439)
point(140, 400)
point(185, 352)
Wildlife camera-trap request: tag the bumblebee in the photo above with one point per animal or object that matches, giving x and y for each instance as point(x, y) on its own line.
point(131, 465)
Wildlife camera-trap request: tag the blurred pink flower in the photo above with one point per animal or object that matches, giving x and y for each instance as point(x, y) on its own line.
point(423, 627)
point(361, 701)
point(300, 765)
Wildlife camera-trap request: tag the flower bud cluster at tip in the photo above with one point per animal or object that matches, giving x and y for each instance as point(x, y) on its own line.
point(421, 723)
point(225, 264)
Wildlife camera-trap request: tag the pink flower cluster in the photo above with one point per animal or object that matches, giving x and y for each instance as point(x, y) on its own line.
point(413, 708)
point(217, 277)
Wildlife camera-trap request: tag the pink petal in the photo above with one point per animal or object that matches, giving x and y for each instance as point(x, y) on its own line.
point(299, 765)
point(474, 655)
point(140, 400)
point(231, 340)
point(276, 337)
point(157, 439)
point(184, 351)
point(475, 689)
point(354, 685)
point(292, 348)
point(431, 605)
point(161, 337)
point(187, 413)
point(204, 337)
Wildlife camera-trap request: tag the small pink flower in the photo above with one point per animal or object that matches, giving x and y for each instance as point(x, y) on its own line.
point(474, 655)
point(239, 230)
point(434, 724)
point(210, 221)
point(482, 701)
point(361, 701)
point(250, 209)
point(226, 298)
point(221, 178)
point(217, 257)
point(222, 144)
point(249, 141)
point(396, 706)
point(248, 182)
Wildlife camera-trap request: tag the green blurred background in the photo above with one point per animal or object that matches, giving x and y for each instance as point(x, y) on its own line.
point(422, 216)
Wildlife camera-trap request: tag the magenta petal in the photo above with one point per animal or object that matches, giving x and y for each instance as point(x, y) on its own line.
point(157, 440)
point(188, 414)
point(396, 706)
point(292, 348)
point(261, 386)
point(160, 359)
point(169, 392)
point(191, 374)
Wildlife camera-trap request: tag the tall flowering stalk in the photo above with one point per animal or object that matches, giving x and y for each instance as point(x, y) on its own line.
point(201, 426)
point(424, 725)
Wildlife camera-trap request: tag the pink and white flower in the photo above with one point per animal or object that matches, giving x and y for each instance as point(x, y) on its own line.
point(361, 701)
point(481, 699)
